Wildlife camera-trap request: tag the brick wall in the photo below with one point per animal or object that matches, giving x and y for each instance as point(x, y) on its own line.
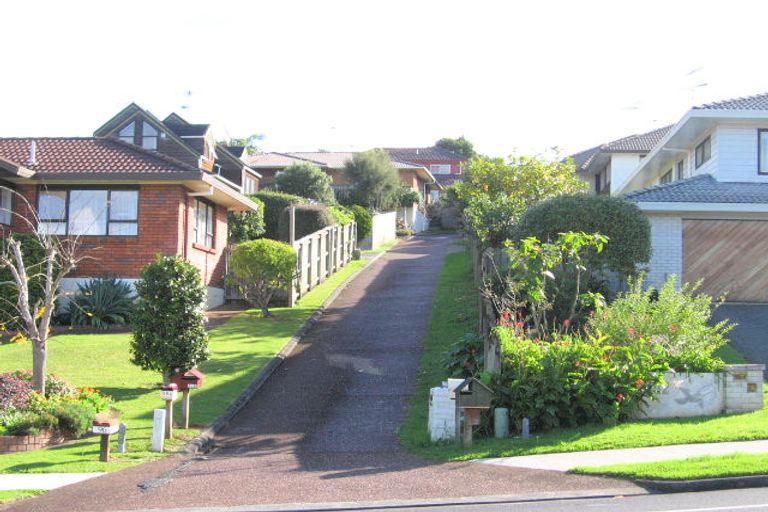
point(743, 387)
point(14, 444)
point(667, 248)
point(210, 260)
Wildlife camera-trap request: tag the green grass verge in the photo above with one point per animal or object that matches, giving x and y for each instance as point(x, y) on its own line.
point(455, 312)
point(9, 496)
point(738, 464)
point(241, 347)
point(383, 247)
point(730, 355)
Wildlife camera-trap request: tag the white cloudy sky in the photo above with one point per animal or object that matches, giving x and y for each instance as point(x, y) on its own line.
point(343, 75)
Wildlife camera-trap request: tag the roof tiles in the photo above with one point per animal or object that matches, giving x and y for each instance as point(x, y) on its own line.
point(702, 189)
point(755, 102)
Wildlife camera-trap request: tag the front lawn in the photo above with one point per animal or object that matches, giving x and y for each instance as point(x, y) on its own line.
point(738, 464)
point(9, 496)
point(241, 347)
point(455, 313)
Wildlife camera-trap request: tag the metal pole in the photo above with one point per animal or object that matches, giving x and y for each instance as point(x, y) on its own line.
point(291, 224)
point(185, 408)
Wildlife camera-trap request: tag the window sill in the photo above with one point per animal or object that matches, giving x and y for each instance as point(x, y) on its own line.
point(199, 247)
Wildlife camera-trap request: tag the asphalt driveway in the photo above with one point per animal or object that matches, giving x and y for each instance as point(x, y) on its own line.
point(324, 426)
point(750, 336)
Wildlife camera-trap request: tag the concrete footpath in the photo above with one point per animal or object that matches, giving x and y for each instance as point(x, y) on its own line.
point(568, 461)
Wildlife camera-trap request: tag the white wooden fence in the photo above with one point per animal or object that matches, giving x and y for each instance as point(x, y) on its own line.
point(320, 255)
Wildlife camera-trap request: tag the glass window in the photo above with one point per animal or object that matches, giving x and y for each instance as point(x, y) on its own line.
point(126, 134)
point(149, 136)
point(94, 212)
point(6, 198)
point(667, 177)
point(204, 219)
point(703, 152)
point(762, 151)
point(681, 169)
point(440, 168)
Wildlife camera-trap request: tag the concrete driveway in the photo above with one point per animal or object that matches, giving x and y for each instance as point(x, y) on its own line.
point(750, 336)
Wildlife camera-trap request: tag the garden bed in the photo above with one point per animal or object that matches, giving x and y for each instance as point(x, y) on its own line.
point(13, 444)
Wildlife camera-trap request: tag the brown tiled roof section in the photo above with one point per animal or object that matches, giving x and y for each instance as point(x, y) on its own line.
point(88, 155)
point(423, 154)
point(755, 102)
point(448, 179)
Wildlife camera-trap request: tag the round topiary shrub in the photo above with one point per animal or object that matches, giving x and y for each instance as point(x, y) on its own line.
point(364, 221)
point(627, 228)
point(169, 332)
point(260, 267)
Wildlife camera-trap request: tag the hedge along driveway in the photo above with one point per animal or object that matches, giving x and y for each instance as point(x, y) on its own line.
point(241, 347)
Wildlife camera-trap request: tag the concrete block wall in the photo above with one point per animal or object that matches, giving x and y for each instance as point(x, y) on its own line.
point(743, 387)
point(667, 249)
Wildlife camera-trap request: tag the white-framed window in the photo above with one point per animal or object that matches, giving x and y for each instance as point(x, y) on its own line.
point(149, 135)
point(680, 170)
point(703, 152)
point(126, 134)
point(666, 177)
point(762, 151)
point(89, 211)
point(249, 185)
point(6, 206)
point(204, 222)
point(440, 168)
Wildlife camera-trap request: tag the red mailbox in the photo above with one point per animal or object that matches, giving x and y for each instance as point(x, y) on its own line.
point(192, 379)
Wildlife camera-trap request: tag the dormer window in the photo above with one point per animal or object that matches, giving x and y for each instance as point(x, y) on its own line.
point(149, 135)
point(127, 133)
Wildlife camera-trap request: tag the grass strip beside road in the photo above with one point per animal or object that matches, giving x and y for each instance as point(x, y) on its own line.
point(240, 349)
point(10, 496)
point(454, 313)
point(695, 468)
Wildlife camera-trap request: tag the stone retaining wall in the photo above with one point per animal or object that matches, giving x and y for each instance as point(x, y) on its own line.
point(13, 444)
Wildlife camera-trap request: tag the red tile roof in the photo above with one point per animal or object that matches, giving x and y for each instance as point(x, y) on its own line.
point(88, 155)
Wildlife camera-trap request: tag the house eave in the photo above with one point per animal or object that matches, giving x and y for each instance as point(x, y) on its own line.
point(691, 207)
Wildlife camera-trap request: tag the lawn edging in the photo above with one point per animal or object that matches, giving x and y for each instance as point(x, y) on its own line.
point(704, 484)
point(205, 441)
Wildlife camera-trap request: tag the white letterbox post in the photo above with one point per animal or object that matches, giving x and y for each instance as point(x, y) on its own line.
point(169, 393)
point(158, 430)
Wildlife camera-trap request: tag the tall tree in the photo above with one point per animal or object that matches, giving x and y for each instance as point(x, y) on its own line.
point(32, 268)
point(460, 146)
point(306, 180)
point(248, 142)
point(375, 181)
point(495, 192)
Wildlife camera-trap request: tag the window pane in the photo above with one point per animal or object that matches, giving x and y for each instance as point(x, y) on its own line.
point(5, 206)
point(148, 130)
point(53, 204)
point(53, 228)
point(88, 212)
point(149, 137)
point(123, 228)
point(127, 131)
point(124, 205)
point(763, 151)
point(200, 221)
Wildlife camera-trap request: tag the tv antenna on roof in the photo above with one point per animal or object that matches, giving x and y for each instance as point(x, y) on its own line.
point(184, 106)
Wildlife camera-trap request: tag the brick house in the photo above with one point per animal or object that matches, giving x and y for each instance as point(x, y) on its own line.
point(138, 187)
point(445, 165)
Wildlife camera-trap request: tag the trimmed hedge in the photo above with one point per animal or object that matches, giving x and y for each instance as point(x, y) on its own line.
point(309, 218)
point(244, 226)
point(364, 221)
point(627, 228)
point(274, 204)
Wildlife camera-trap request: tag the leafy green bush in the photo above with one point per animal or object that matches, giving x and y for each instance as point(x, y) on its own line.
point(364, 221)
point(274, 205)
point(408, 197)
point(465, 358)
point(54, 385)
point(306, 180)
point(244, 226)
point(309, 218)
point(375, 181)
point(342, 214)
point(260, 267)
point(573, 381)
point(28, 423)
point(674, 318)
point(169, 333)
point(621, 221)
point(34, 259)
point(404, 232)
point(73, 418)
point(102, 303)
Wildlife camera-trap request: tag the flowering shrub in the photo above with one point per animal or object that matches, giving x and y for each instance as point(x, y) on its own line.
point(14, 391)
point(465, 359)
point(675, 318)
point(575, 380)
point(54, 385)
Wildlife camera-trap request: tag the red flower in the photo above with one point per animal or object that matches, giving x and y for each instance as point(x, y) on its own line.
point(639, 383)
point(632, 332)
point(519, 325)
point(620, 397)
point(578, 363)
point(566, 322)
point(673, 328)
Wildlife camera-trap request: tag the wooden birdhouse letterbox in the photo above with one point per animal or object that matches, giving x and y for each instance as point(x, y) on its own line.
point(472, 396)
point(191, 379)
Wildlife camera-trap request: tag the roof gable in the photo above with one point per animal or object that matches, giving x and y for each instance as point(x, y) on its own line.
point(754, 102)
